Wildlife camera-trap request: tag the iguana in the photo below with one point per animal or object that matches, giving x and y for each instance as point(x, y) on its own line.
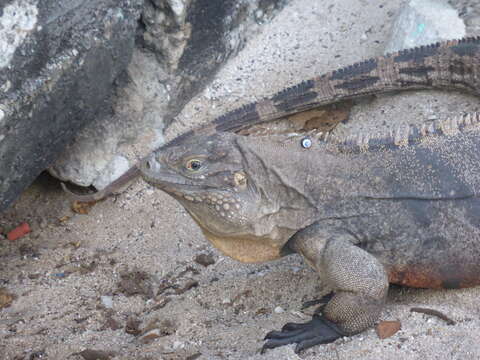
point(447, 65)
point(400, 207)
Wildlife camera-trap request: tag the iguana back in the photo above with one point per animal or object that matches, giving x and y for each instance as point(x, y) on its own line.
point(410, 198)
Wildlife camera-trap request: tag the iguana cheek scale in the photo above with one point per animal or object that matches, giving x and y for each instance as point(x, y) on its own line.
point(399, 207)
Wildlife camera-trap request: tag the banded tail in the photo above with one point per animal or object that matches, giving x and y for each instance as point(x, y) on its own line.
point(452, 64)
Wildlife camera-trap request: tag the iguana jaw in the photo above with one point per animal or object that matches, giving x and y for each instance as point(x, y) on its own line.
point(170, 183)
point(219, 214)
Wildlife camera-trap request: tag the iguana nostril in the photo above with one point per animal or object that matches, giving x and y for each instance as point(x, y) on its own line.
point(151, 164)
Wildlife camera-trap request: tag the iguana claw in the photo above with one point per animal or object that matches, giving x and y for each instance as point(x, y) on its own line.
point(317, 331)
point(322, 301)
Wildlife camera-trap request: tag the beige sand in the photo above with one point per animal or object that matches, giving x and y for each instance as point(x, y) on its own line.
point(97, 281)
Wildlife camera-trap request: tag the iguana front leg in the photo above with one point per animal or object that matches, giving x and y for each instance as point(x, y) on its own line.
point(359, 282)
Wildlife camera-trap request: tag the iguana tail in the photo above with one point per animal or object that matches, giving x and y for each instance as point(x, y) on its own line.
point(114, 187)
point(452, 64)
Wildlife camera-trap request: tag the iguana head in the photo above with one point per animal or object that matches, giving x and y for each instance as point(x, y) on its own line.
point(225, 182)
point(205, 174)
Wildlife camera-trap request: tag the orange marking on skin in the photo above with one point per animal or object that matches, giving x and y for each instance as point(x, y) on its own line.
point(434, 276)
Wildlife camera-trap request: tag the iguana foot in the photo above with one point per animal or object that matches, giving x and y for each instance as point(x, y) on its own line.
point(317, 331)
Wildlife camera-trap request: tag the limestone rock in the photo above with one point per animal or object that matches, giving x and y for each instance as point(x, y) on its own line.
point(423, 22)
point(58, 63)
point(181, 44)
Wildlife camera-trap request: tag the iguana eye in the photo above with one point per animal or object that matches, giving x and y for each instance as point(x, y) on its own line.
point(193, 165)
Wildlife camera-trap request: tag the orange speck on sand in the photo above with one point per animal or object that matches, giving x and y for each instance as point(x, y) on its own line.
point(18, 232)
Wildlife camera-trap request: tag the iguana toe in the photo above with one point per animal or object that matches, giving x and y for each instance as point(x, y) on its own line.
point(322, 301)
point(317, 331)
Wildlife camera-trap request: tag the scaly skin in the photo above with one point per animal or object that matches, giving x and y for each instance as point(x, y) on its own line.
point(448, 65)
point(401, 207)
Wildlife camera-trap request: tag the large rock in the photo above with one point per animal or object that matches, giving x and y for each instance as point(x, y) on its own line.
point(423, 22)
point(469, 11)
point(180, 46)
point(58, 63)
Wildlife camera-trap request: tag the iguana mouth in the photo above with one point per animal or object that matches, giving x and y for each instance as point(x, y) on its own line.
point(166, 180)
point(172, 185)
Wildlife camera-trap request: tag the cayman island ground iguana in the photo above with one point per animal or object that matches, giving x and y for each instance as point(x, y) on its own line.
point(447, 65)
point(400, 207)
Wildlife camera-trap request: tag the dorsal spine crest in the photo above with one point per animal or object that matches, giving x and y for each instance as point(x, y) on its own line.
point(403, 135)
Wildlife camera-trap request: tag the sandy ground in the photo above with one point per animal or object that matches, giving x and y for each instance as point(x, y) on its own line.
point(129, 278)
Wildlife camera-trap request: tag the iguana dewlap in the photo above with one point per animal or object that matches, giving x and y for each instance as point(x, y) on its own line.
point(364, 211)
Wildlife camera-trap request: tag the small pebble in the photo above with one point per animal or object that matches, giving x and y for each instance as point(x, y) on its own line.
point(132, 326)
point(18, 232)
point(60, 275)
point(386, 329)
point(178, 345)
point(150, 336)
point(6, 298)
point(107, 301)
point(258, 14)
point(91, 354)
point(279, 310)
point(205, 259)
point(43, 224)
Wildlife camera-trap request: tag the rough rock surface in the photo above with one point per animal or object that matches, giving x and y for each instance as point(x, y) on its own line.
point(423, 22)
point(180, 46)
point(58, 62)
point(469, 11)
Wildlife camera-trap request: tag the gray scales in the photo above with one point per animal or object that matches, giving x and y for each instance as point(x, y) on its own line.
point(363, 211)
point(447, 65)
